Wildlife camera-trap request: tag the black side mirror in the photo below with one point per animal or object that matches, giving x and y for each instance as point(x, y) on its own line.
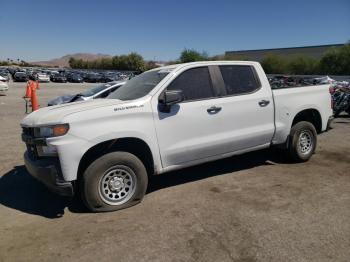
point(169, 98)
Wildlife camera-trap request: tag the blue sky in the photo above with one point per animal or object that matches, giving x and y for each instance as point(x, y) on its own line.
point(39, 30)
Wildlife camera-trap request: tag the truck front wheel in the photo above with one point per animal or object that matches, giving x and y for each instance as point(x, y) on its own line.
point(113, 181)
point(302, 141)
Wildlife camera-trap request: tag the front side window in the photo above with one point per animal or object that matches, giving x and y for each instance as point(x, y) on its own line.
point(239, 79)
point(195, 84)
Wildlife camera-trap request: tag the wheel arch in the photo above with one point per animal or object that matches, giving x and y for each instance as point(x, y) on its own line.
point(132, 145)
point(311, 115)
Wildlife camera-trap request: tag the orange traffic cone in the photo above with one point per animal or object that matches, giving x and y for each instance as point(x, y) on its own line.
point(28, 91)
point(34, 100)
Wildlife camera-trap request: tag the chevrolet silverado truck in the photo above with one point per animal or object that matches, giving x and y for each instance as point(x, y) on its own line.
point(165, 119)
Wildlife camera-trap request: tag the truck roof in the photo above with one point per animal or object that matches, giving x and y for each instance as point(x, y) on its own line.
point(205, 63)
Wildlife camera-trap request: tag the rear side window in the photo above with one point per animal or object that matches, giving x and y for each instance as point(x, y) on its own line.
point(239, 79)
point(195, 84)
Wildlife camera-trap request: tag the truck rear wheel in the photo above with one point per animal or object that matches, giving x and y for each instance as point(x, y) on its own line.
point(302, 141)
point(113, 181)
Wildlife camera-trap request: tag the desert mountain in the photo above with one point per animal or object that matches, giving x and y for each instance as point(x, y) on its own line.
point(63, 61)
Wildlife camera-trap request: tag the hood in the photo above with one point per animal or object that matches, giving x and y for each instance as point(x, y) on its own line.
point(55, 114)
point(61, 100)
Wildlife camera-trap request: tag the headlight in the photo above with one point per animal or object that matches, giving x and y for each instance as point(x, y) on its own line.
point(52, 131)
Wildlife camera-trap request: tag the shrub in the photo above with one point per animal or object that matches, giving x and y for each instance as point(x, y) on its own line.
point(274, 64)
point(191, 55)
point(302, 65)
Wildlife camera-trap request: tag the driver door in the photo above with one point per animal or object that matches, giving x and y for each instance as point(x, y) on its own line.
point(188, 131)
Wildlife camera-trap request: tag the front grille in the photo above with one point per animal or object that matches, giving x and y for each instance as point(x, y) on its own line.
point(28, 131)
point(32, 152)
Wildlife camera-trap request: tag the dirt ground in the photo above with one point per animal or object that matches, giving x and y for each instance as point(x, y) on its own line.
point(254, 207)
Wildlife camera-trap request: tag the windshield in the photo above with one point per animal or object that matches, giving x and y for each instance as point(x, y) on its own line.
point(139, 86)
point(95, 90)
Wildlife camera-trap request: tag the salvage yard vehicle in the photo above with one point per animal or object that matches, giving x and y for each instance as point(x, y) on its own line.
point(75, 78)
point(100, 91)
point(5, 75)
point(165, 119)
point(3, 79)
point(43, 77)
point(93, 78)
point(3, 86)
point(59, 78)
point(20, 77)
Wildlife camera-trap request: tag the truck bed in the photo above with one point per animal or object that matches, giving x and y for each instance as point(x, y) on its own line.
point(290, 101)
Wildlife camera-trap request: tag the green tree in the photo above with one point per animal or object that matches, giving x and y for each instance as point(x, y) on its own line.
point(4, 63)
point(274, 64)
point(336, 61)
point(302, 65)
point(72, 62)
point(132, 62)
point(135, 62)
point(191, 55)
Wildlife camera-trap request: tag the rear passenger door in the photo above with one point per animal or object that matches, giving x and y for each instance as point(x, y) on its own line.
point(247, 113)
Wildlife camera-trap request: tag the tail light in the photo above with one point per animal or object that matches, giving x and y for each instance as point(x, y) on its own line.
point(331, 91)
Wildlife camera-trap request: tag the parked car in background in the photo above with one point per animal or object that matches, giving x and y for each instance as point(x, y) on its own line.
point(100, 91)
point(12, 71)
point(20, 77)
point(3, 85)
point(5, 74)
point(75, 78)
point(59, 78)
point(41, 77)
point(105, 78)
point(93, 78)
point(52, 74)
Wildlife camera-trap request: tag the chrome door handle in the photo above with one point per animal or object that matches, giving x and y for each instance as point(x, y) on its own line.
point(263, 103)
point(213, 110)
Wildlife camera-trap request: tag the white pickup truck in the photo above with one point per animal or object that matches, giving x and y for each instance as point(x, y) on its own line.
point(165, 119)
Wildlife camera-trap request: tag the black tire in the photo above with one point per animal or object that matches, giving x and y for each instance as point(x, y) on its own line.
point(94, 177)
point(295, 149)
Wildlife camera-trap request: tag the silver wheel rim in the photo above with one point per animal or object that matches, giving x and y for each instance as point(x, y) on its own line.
point(305, 142)
point(117, 185)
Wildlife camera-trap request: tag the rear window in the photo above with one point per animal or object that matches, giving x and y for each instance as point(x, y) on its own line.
point(239, 79)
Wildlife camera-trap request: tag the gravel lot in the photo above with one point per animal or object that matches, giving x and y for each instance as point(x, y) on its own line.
point(255, 207)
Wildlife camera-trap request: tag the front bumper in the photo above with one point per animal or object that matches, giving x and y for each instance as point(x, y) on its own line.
point(48, 172)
